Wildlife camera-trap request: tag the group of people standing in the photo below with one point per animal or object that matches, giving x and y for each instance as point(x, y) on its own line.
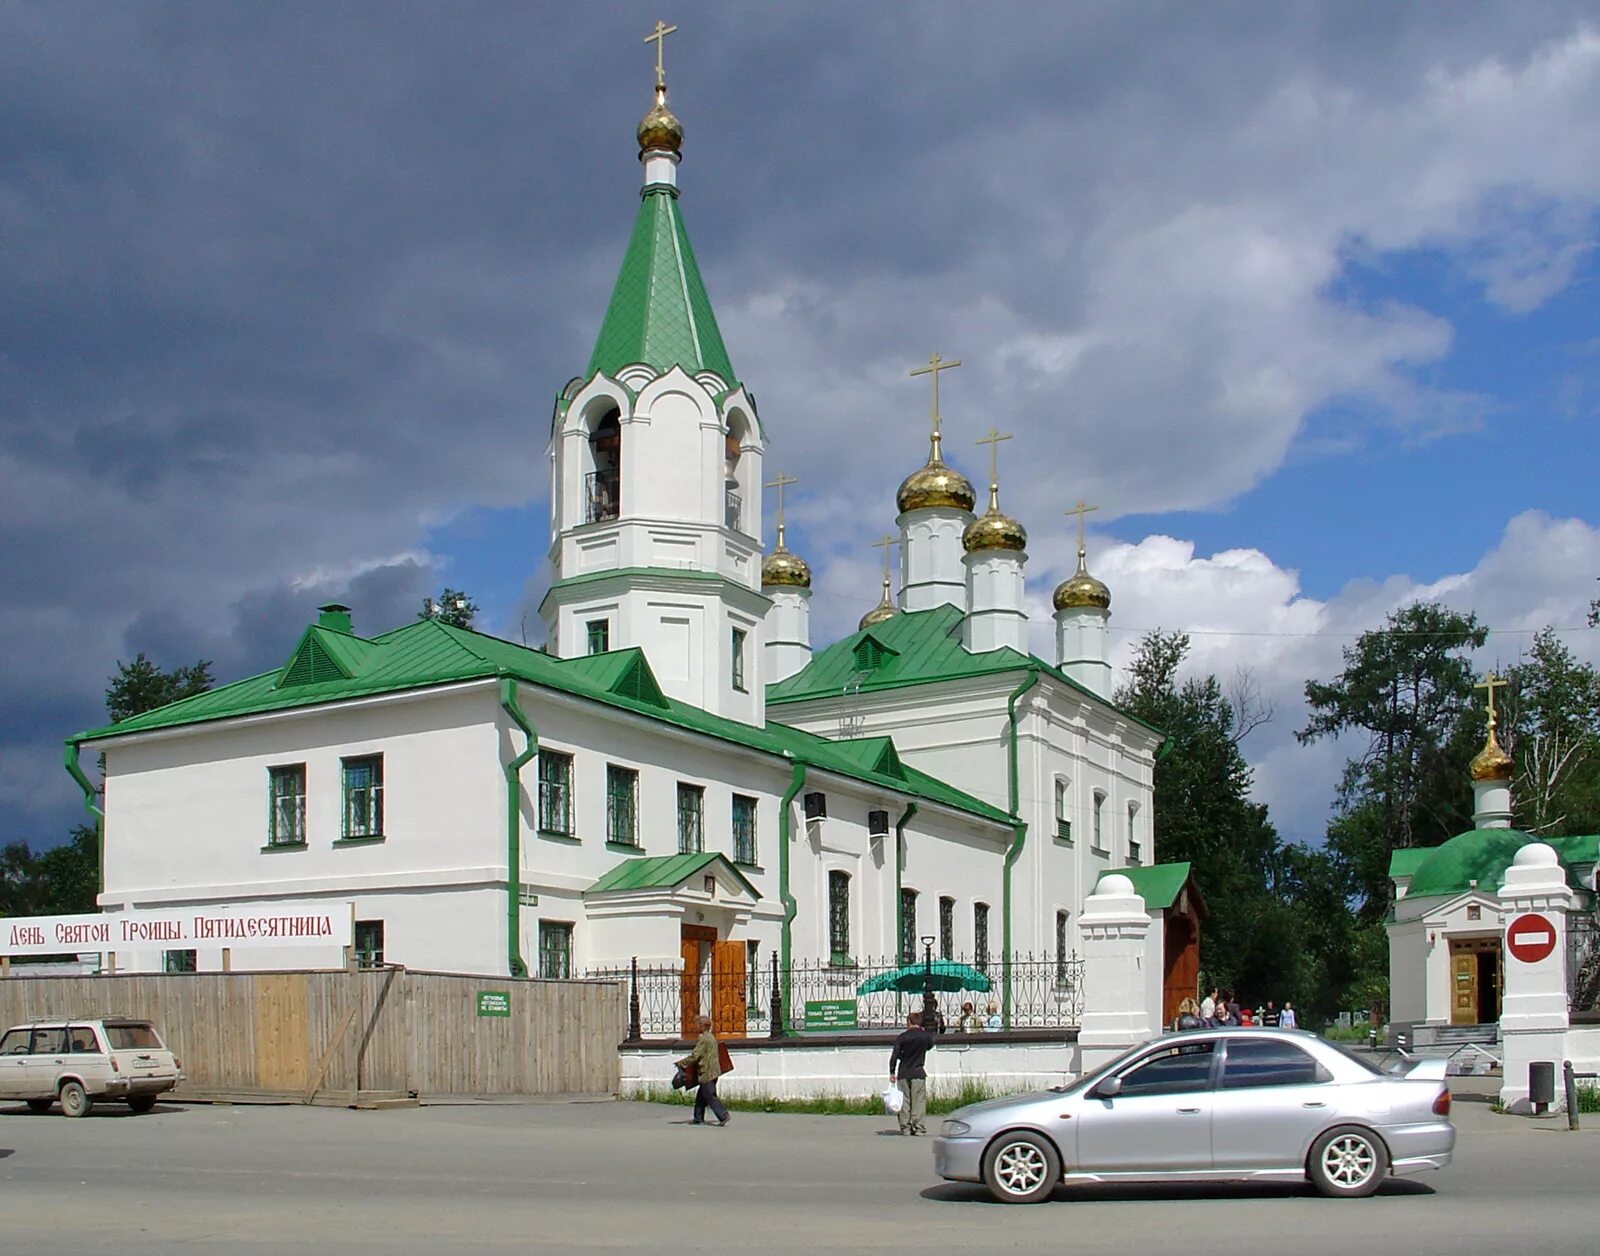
point(1220, 1009)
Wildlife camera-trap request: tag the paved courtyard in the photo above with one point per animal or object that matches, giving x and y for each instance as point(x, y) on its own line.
point(587, 1176)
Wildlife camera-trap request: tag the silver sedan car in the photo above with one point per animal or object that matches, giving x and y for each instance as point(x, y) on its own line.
point(1209, 1105)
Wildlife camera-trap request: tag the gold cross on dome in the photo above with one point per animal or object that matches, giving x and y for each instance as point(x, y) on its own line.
point(780, 483)
point(1082, 509)
point(887, 544)
point(935, 365)
point(658, 37)
point(1491, 682)
point(993, 440)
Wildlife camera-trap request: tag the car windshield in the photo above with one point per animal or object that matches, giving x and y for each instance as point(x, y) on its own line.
point(133, 1036)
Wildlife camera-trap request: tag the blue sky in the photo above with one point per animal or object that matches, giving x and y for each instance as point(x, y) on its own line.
point(1302, 296)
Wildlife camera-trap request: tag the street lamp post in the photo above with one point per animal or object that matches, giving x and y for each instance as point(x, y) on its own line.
point(930, 1007)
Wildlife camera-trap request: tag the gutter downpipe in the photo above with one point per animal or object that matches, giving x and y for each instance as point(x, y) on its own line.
point(89, 792)
point(513, 771)
point(1019, 832)
point(790, 908)
point(899, 879)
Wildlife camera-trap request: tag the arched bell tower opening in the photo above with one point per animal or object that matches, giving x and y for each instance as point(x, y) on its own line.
point(603, 473)
point(737, 499)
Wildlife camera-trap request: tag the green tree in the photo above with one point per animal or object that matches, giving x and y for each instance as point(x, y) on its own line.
point(141, 686)
point(452, 607)
point(1203, 814)
point(1550, 726)
point(1407, 689)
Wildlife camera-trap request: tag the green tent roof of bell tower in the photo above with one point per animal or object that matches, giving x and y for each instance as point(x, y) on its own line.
point(659, 312)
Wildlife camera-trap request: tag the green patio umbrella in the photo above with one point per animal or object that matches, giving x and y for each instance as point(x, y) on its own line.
point(941, 974)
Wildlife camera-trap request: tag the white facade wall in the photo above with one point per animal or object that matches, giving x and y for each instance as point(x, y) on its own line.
point(187, 809)
point(957, 731)
point(788, 632)
point(1083, 647)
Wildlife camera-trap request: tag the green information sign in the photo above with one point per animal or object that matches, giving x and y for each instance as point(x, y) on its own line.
point(494, 1003)
point(830, 1013)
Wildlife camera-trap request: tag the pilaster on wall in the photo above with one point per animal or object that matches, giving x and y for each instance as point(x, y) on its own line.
point(1534, 1016)
point(1116, 1011)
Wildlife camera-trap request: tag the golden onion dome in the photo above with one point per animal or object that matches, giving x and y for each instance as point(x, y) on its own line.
point(1491, 763)
point(993, 530)
point(882, 611)
point(935, 485)
point(1081, 589)
point(659, 129)
point(784, 568)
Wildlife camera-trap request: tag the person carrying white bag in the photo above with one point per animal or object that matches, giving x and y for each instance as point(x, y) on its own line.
point(907, 1067)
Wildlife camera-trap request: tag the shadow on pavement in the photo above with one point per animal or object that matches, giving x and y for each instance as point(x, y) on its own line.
point(108, 1109)
point(1129, 1192)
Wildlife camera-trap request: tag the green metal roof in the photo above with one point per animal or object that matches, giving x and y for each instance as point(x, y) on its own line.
point(428, 654)
point(1158, 884)
point(664, 872)
point(659, 312)
point(915, 648)
point(1478, 859)
point(1405, 862)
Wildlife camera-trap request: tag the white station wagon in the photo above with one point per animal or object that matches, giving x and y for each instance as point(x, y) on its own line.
point(80, 1061)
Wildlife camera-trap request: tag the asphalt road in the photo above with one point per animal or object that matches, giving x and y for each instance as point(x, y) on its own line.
point(587, 1176)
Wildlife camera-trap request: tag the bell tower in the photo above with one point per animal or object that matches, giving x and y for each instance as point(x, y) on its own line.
point(655, 469)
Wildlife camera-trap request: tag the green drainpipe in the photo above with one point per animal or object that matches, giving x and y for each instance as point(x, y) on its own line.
point(1019, 834)
point(790, 908)
point(513, 770)
point(89, 792)
point(899, 878)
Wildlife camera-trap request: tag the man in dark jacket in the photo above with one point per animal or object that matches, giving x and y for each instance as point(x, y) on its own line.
point(908, 1070)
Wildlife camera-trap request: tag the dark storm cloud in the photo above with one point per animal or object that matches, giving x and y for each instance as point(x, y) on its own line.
point(286, 283)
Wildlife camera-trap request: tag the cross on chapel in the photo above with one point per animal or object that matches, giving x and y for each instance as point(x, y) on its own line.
point(1491, 682)
point(993, 440)
point(780, 483)
point(1082, 510)
point(935, 365)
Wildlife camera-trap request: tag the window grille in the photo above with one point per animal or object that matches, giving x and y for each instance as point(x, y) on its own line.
point(691, 813)
point(947, 928)
point(369, 943)
point(602, 496)
point(555, 792)
point(744, 829)
point(1063, 968)
point(980, 936)
point(555, 950)
point(363, 797)
point(622, 805)
point(1063, 820)
point(908, 926)
point(839, 917)
point(286, 816)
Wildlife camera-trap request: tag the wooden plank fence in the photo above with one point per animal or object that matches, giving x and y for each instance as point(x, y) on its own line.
point(304, 1034)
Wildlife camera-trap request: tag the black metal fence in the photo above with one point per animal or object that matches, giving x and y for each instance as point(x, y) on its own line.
point(815, 996)
point(1583, 961)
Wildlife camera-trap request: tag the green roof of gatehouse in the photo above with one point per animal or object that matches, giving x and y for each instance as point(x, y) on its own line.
point(659, 312)
point(1158, 884)
point(1478, 859)
point(665, 872)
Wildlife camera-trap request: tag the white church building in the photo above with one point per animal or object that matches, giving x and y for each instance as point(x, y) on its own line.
point(677, 776)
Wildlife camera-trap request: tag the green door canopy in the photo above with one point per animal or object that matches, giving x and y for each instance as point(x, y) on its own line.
point(942, 975)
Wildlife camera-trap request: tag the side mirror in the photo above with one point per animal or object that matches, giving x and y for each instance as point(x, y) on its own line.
point(1108, 1089)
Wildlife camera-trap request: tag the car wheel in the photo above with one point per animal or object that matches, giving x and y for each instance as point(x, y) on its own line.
point(1347, 1162)
point(141, 1103)
point(75, 1100)
point(1021, 1168)
point(40, 1105)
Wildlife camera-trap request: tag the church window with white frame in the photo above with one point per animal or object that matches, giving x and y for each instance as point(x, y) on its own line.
point(597, 636)
point(1063, 815)
point(286, 814)
point(1135, 849)
point(908, 925)
point(744, 830)
point(980, 936)
point(1098, 833)
point(838, 917)
point(363, 798)
point(737, 651)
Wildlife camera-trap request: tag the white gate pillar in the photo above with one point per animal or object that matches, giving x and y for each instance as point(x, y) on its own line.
point(1534, 901)
point(1116, 1009)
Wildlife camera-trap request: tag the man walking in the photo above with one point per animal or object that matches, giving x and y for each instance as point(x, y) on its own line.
point(708, 1067)
point(908, 1070)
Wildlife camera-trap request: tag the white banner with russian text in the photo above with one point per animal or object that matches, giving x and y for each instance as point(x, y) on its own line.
point(244, 928)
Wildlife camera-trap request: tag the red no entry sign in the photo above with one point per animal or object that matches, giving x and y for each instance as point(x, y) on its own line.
point(1531, 938)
